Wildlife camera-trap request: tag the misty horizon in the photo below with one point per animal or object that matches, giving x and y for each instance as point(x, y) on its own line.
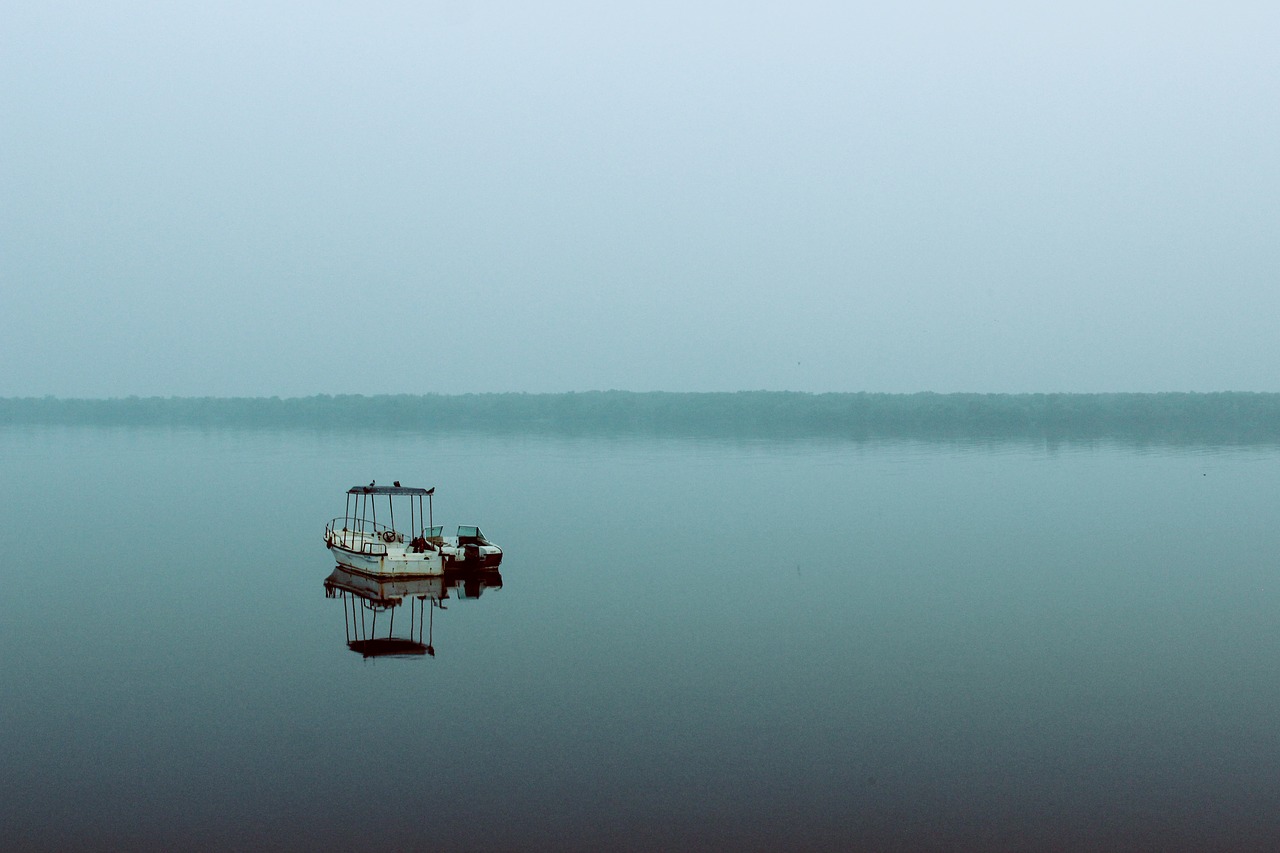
point(876, 407)
point(289, 200)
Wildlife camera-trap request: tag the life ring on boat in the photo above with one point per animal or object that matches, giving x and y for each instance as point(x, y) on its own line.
point(388, 536)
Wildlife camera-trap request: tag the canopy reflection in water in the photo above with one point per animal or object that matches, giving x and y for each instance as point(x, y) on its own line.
point(365, 597)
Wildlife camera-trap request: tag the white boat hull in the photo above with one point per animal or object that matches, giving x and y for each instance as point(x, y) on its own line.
point(391, 563)
point(382, 552)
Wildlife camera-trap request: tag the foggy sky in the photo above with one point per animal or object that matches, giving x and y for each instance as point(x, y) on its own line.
point(295, 198)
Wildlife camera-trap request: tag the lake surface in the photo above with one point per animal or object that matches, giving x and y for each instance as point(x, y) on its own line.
point(697, 645)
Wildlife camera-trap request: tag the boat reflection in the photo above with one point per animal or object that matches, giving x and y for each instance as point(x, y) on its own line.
point(366, 597)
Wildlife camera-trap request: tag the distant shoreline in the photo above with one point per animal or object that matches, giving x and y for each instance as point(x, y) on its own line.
point(1178, 418)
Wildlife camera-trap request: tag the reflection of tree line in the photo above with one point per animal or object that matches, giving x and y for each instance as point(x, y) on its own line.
point(1227, 417)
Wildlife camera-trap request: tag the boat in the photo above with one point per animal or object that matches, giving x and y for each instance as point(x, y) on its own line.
point(362, 543)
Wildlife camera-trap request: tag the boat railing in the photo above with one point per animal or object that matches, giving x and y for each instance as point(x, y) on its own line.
point(359, 535)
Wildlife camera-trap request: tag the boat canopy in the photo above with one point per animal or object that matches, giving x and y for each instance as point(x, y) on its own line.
point(389, 490)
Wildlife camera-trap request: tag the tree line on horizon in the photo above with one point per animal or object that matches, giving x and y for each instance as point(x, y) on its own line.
point(1222, 417)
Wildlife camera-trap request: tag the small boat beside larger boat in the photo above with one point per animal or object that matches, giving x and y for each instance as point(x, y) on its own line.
point(362, 543)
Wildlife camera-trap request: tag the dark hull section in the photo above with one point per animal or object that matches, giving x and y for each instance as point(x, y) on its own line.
point(472, 562)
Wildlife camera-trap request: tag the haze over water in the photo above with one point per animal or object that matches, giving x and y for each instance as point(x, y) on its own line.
point(792, 643)
point(698, 644)
point(697, 196)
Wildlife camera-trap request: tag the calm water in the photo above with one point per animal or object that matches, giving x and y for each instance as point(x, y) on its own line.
point(697, 645)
